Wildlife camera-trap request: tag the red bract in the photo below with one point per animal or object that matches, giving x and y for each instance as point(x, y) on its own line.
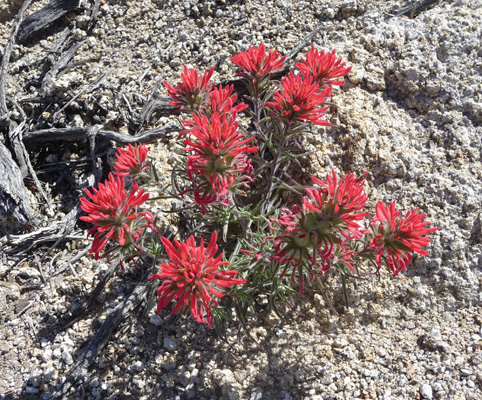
point(219, 157)
point(339, 201)
point(300, 100)
point(303, 243)
point(193, 278)
point(191, 92)
point(257, 63)
point(112, 211)
point(131, 161)
point(222, 100)
point(394, 237)
point(323, 67)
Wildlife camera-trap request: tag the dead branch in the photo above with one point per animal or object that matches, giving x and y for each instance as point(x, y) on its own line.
point(56, 232)
point(414, 8)
point(59, 67)
point(13, 195)
point(85, 88)
point(44, 17)
point(6, 57)
point(93, 349)
point(80, 133)
point(15, 138)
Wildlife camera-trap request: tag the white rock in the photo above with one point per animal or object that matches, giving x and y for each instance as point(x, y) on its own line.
point(426, 391)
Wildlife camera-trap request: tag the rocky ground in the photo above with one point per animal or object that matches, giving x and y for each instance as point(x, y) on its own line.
point(410, 114)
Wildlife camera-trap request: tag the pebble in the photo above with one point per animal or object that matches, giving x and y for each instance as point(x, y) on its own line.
point(67, 357)
point(170, 343)
point(155, 320)
point(138, 366)
point(32, 390)
point(426, 391)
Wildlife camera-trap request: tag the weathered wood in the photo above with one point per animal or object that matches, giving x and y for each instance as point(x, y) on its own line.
point(93, 349)
point(414, 8)
point(60, 65)
point(14, 204)
point(6, 58)
point(44, 17)
point(56, 232)
point(75, 134)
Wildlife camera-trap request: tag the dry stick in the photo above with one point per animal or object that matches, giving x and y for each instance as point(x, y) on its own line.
point(67, 265)
point(413, 9)
point(57, 231)
point(75, 134)
point(61, 64)
point(93, 15)
point(82, 90)
point(307, 40)
point(16, 137)
point(113, 320)
point(45, 16)
point(6, 58)
point(68, 223)
point(151, 102)
point(94, 294)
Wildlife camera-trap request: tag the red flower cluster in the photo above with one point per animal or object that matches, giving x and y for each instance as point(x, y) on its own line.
point(309, 235)
point(131, 161)
point(220, 157)
point(222, 101)
point(323, 67)
point(112, 211)
point(191, 92)
point(394, 237)
point(339, 200)
point(256, 63)
point(192, 277)
point(300, 100)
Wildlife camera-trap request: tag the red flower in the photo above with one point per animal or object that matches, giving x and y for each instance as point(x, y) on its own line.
point(193, 278)
point(395, 237)
point(219, 157)
point(323, 67)
point(257, 63)
point(300, 100)
point(190, 92)
point(309, 236)
point(112, 211)
point(344, 256)
point(302, 243)
point(131, 161)
point(339, 200)
point(222, 100)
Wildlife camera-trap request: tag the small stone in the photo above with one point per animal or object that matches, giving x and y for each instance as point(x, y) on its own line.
point(170, 343)
point(426, 391)
point(67, 357)
point(138, 366)
point(477, 359)
point(35, 381)
point(466, 372)
point(340, 343)
point(256, 394)
point(185, 378)
point(155, 320)
point(32, 390)
point(272, 319)
point(94, 382)
point(176, 62)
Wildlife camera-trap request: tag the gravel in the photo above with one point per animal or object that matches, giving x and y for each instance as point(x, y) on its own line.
point(410, 114)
